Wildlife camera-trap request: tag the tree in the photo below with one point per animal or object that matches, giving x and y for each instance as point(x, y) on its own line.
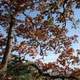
point(42, 33)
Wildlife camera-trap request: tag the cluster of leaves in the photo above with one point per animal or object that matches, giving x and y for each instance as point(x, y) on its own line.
point(22, 71)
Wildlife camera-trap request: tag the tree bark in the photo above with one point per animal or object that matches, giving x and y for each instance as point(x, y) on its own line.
point(3, 65)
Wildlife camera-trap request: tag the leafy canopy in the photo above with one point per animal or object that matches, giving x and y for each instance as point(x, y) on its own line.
point(46, 31)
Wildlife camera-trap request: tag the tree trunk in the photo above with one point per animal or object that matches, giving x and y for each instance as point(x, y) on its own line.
point(3, 65)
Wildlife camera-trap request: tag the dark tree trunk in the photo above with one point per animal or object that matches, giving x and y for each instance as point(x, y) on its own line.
point(8, 46)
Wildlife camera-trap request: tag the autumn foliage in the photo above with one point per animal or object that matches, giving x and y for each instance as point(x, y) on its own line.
point(33, 27)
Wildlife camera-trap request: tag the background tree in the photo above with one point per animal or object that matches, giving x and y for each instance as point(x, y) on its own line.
point(47, 31)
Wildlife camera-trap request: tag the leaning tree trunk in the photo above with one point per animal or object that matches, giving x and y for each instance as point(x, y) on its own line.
point(8, 48)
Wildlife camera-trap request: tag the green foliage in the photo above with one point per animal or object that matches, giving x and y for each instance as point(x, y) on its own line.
point(22, 71)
